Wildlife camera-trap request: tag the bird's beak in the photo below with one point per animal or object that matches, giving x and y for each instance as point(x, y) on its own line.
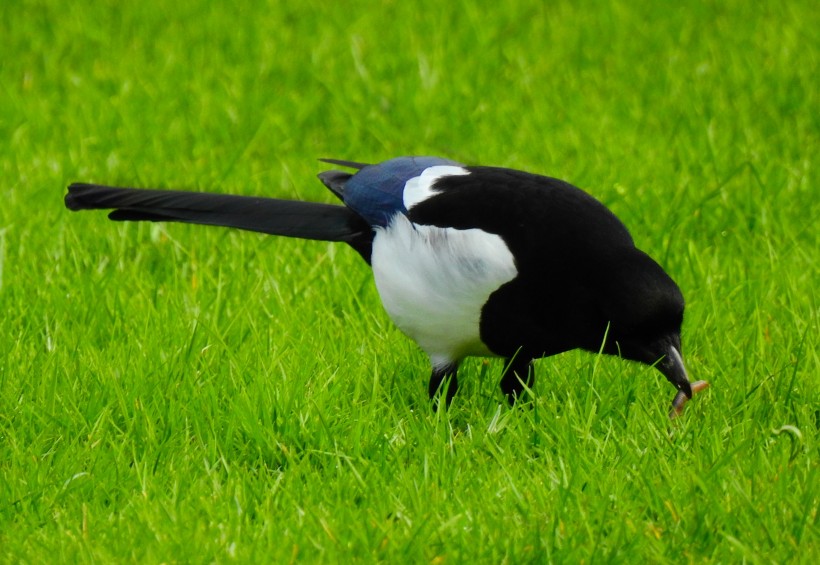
point(674, 370)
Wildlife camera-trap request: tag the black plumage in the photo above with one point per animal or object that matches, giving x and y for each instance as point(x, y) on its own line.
point(564, 271)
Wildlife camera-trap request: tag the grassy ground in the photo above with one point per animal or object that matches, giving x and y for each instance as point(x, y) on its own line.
point(179, 393)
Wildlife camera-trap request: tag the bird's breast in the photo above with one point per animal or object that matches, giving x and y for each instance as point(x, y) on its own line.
point(434, 282)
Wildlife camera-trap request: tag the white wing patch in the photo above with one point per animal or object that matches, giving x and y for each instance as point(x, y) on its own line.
point(434, 282)
point(420, 188)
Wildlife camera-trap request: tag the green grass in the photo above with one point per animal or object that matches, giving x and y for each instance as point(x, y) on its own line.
point(174, 393)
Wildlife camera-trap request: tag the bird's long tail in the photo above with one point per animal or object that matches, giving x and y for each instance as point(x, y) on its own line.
point(291, 218)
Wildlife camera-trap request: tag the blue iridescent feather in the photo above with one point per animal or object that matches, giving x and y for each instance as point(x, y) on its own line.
point(376, 191)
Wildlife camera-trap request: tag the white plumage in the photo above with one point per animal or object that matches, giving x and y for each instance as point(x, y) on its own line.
point(420, 188)
point(434, 281)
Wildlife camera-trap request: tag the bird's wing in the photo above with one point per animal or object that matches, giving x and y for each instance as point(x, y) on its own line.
point(531, 212)
point(343, 163)
point(377, 192)
point(335, 182)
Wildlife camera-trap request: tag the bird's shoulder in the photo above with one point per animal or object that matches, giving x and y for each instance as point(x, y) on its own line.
point(526, 209)
point(522, 207)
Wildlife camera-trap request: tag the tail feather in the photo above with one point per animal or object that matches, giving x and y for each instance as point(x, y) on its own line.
point(306, 220)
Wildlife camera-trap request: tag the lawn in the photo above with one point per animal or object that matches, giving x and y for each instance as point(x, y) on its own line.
point(174, 393)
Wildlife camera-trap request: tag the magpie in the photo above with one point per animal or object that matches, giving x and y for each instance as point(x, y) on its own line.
point(467, 260)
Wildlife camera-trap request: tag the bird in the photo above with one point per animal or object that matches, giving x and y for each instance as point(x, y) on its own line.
point(467, 260)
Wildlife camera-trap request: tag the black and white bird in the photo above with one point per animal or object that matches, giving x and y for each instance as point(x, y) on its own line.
point(482, 261)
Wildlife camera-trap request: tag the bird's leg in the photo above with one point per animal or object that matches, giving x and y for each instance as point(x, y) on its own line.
point(518, 374)
point(443, 381)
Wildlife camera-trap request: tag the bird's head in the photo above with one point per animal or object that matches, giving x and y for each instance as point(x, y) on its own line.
point(644, 308)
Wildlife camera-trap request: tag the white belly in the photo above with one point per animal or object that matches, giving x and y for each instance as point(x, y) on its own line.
point(434, 281)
